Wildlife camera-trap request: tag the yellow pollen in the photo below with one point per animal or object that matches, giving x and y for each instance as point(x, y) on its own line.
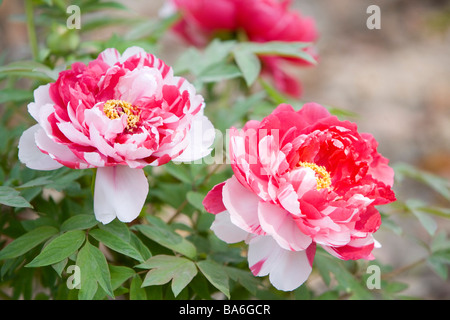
point(114, 109)
point(323, 178)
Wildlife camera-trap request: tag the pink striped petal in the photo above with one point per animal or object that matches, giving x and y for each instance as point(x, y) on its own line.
point(356, 249)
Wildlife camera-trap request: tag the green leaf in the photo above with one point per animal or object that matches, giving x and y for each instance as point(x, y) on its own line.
point(440, 242)
point(26, 242)
point(216, 275)
point(140, 246)
point(165, 268)
point(217, 51)
point(115, 243)
point(280, 48)
point(136, 290)
point(273, 93)
point(79, 222)
point(30, 69)
point(427, 222)
point(94, 271)
point(179, 171)
point(346, 281)
point(245, 278)
point(165, 236)
point(97, 5)
point(196, 199)
point(219, 72)
point(439, 265)
point(38, 182)
point(118, 228)
point(15, 95)
point(119, 275)
point(11, 197)
point(248, 63)
point(59, 248)
point(439, 184)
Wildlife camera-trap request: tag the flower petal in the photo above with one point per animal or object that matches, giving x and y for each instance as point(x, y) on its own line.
point(201, 137)
point(242, 204)
point(30, 155)
point(278, 223)
point(213, 202)
point(287, 269)
point(59, 152)
point(226, 230)
point(119, 192)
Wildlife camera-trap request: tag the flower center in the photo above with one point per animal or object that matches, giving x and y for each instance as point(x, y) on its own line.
point(114, 109)
point(323, 177)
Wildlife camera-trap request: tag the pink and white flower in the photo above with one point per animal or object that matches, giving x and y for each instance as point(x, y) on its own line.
point(301, 178)
point(118, 114)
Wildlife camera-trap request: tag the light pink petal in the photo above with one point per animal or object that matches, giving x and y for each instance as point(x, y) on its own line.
point(140, 83)
point(119, 192)
point(304, 180)
point(279, 223)
point(41, 97)
point(288, 199)
point(102, 146)
point(201, 137)
point(332, 237)
point(287, 269)
point(242, 204)
point(73, 134)
point(31, 156)
point(226, 230)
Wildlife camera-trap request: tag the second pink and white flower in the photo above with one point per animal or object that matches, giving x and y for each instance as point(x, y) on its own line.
point(301, 179)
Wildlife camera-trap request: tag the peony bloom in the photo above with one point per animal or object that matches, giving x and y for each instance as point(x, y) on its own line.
point(258, 20)
point(118, 114)
point(301, 178)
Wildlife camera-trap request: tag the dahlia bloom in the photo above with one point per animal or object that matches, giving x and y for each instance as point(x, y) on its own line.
point(118, 114)
point(301, 178)
point(259, 20)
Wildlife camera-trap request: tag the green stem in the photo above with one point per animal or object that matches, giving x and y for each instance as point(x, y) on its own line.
point(403, 269)
point(31, 29)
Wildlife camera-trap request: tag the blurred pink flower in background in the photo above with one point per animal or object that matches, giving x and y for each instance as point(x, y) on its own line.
point(301, 178)
point(257, 21)
point(119, 114)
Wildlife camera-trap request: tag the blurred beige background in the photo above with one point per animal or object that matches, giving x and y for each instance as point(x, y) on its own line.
point(397, 79)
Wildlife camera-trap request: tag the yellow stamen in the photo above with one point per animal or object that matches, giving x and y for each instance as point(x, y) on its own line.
point(114, 109)
point(323, 177)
